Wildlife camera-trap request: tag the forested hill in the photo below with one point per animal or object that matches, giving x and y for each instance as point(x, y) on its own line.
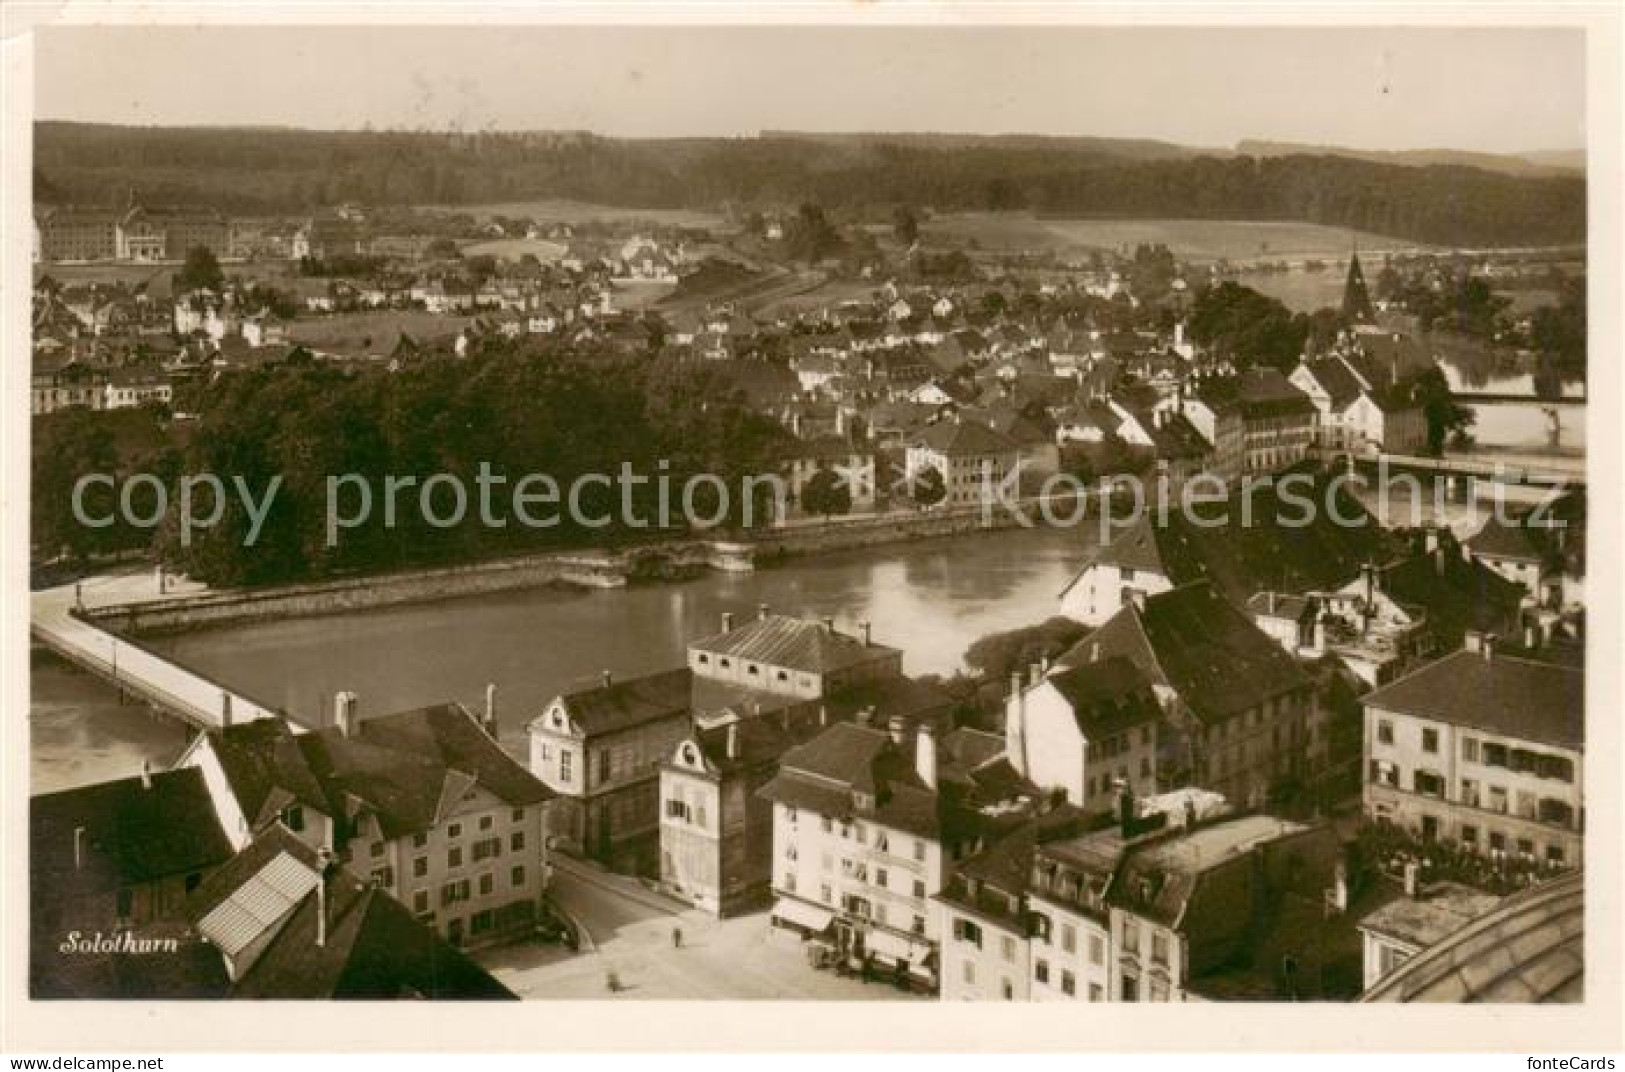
point(282, 170)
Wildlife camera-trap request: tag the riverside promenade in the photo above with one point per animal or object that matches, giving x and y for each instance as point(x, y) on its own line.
point(128, 666)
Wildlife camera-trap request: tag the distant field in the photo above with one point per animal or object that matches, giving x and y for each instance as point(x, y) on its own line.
point(562, 211)
point(1195, 240)
point(134, 274)
point(1302, 292)
point(373, 332)
point(512, 249)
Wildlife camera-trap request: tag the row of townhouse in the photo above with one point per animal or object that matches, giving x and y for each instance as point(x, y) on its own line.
point(1176, 901)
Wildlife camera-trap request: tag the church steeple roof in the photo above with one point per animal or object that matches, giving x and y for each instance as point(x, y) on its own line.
point(1356, 298)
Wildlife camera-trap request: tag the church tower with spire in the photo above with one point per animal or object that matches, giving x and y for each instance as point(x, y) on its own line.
point(1356, 298)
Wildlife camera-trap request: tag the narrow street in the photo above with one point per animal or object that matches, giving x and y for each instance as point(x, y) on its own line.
point(629, 934)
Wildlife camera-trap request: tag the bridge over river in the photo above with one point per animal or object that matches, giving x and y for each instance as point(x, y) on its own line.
point(57, 624)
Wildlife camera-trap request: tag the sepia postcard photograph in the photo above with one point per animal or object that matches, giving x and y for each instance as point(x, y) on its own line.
point(848, 509)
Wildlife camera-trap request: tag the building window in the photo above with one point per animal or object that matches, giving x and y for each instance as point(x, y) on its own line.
point(968, 932)
point(486, 821)
point(969, 973)
point(1469, 749)
point(1159, 947)
point(882, 842)
point(487, 884)
point(1069, 984)
point(293, 817)
point(419, 840)
point(919, 850)
point(1131, 937)
point(1430, 740)
point(826, 894)
point(1554, 854)
point(1069, 938)
point(1428, 784)
point(918, 927)
point(565, 759)
point(384, 876)
point(519, 815)
point(1469, 836)
point(1095, 993)
point(1041, 971)
point(454, 830)
point(1007, 990)
point(454, 857)
point(880, 877)
point(420, 866)
point(420, 902)
point(516, 841)
point(1385, 731)
point(516, 877)
point(1131, 988)
point(1159, 990)
point(1007, 947)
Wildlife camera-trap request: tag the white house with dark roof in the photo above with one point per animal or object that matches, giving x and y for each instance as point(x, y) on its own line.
point(425, 803)
point(1240, 710)
point(1085, 729)
point(973, 460)
point(1483, 750)
point(599, 749)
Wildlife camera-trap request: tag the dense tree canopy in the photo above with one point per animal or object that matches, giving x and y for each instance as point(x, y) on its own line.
point(294, 171)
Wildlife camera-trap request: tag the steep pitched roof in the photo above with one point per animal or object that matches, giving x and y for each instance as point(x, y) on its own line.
point(140, 832)
point(1107, 697)
point(1198, 644)
point(622, 705)
point(402, 768)
point(372, 949)
point(1522, 698)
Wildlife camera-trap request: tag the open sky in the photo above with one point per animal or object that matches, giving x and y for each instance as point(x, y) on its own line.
point(1495, 90)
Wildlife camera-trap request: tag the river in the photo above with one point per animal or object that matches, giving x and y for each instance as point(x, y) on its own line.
point(930, 598)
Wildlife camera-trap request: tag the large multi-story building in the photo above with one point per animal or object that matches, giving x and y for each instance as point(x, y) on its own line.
point(1483, 750)
point(600, 749)
point(865, 825)
point(716, 833)
point(973, 461)
point(136, 233)
point(1088, 730)
point(424, 802)
point(1240, 712)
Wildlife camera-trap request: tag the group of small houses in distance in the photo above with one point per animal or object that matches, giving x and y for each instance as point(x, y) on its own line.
point(907, 376)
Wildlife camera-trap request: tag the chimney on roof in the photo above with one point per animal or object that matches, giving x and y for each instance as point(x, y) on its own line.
point(896, 727)
point(829, 623)
point(733, 740)
point(727, 621)
point(344, 712)
point(324, 868)
point(146, 774)
point(1125, 810)
point(491, 708)
point(225, 710)
point(761, 611)
point(608, 678)
point(925, 754)
point(864, 629)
